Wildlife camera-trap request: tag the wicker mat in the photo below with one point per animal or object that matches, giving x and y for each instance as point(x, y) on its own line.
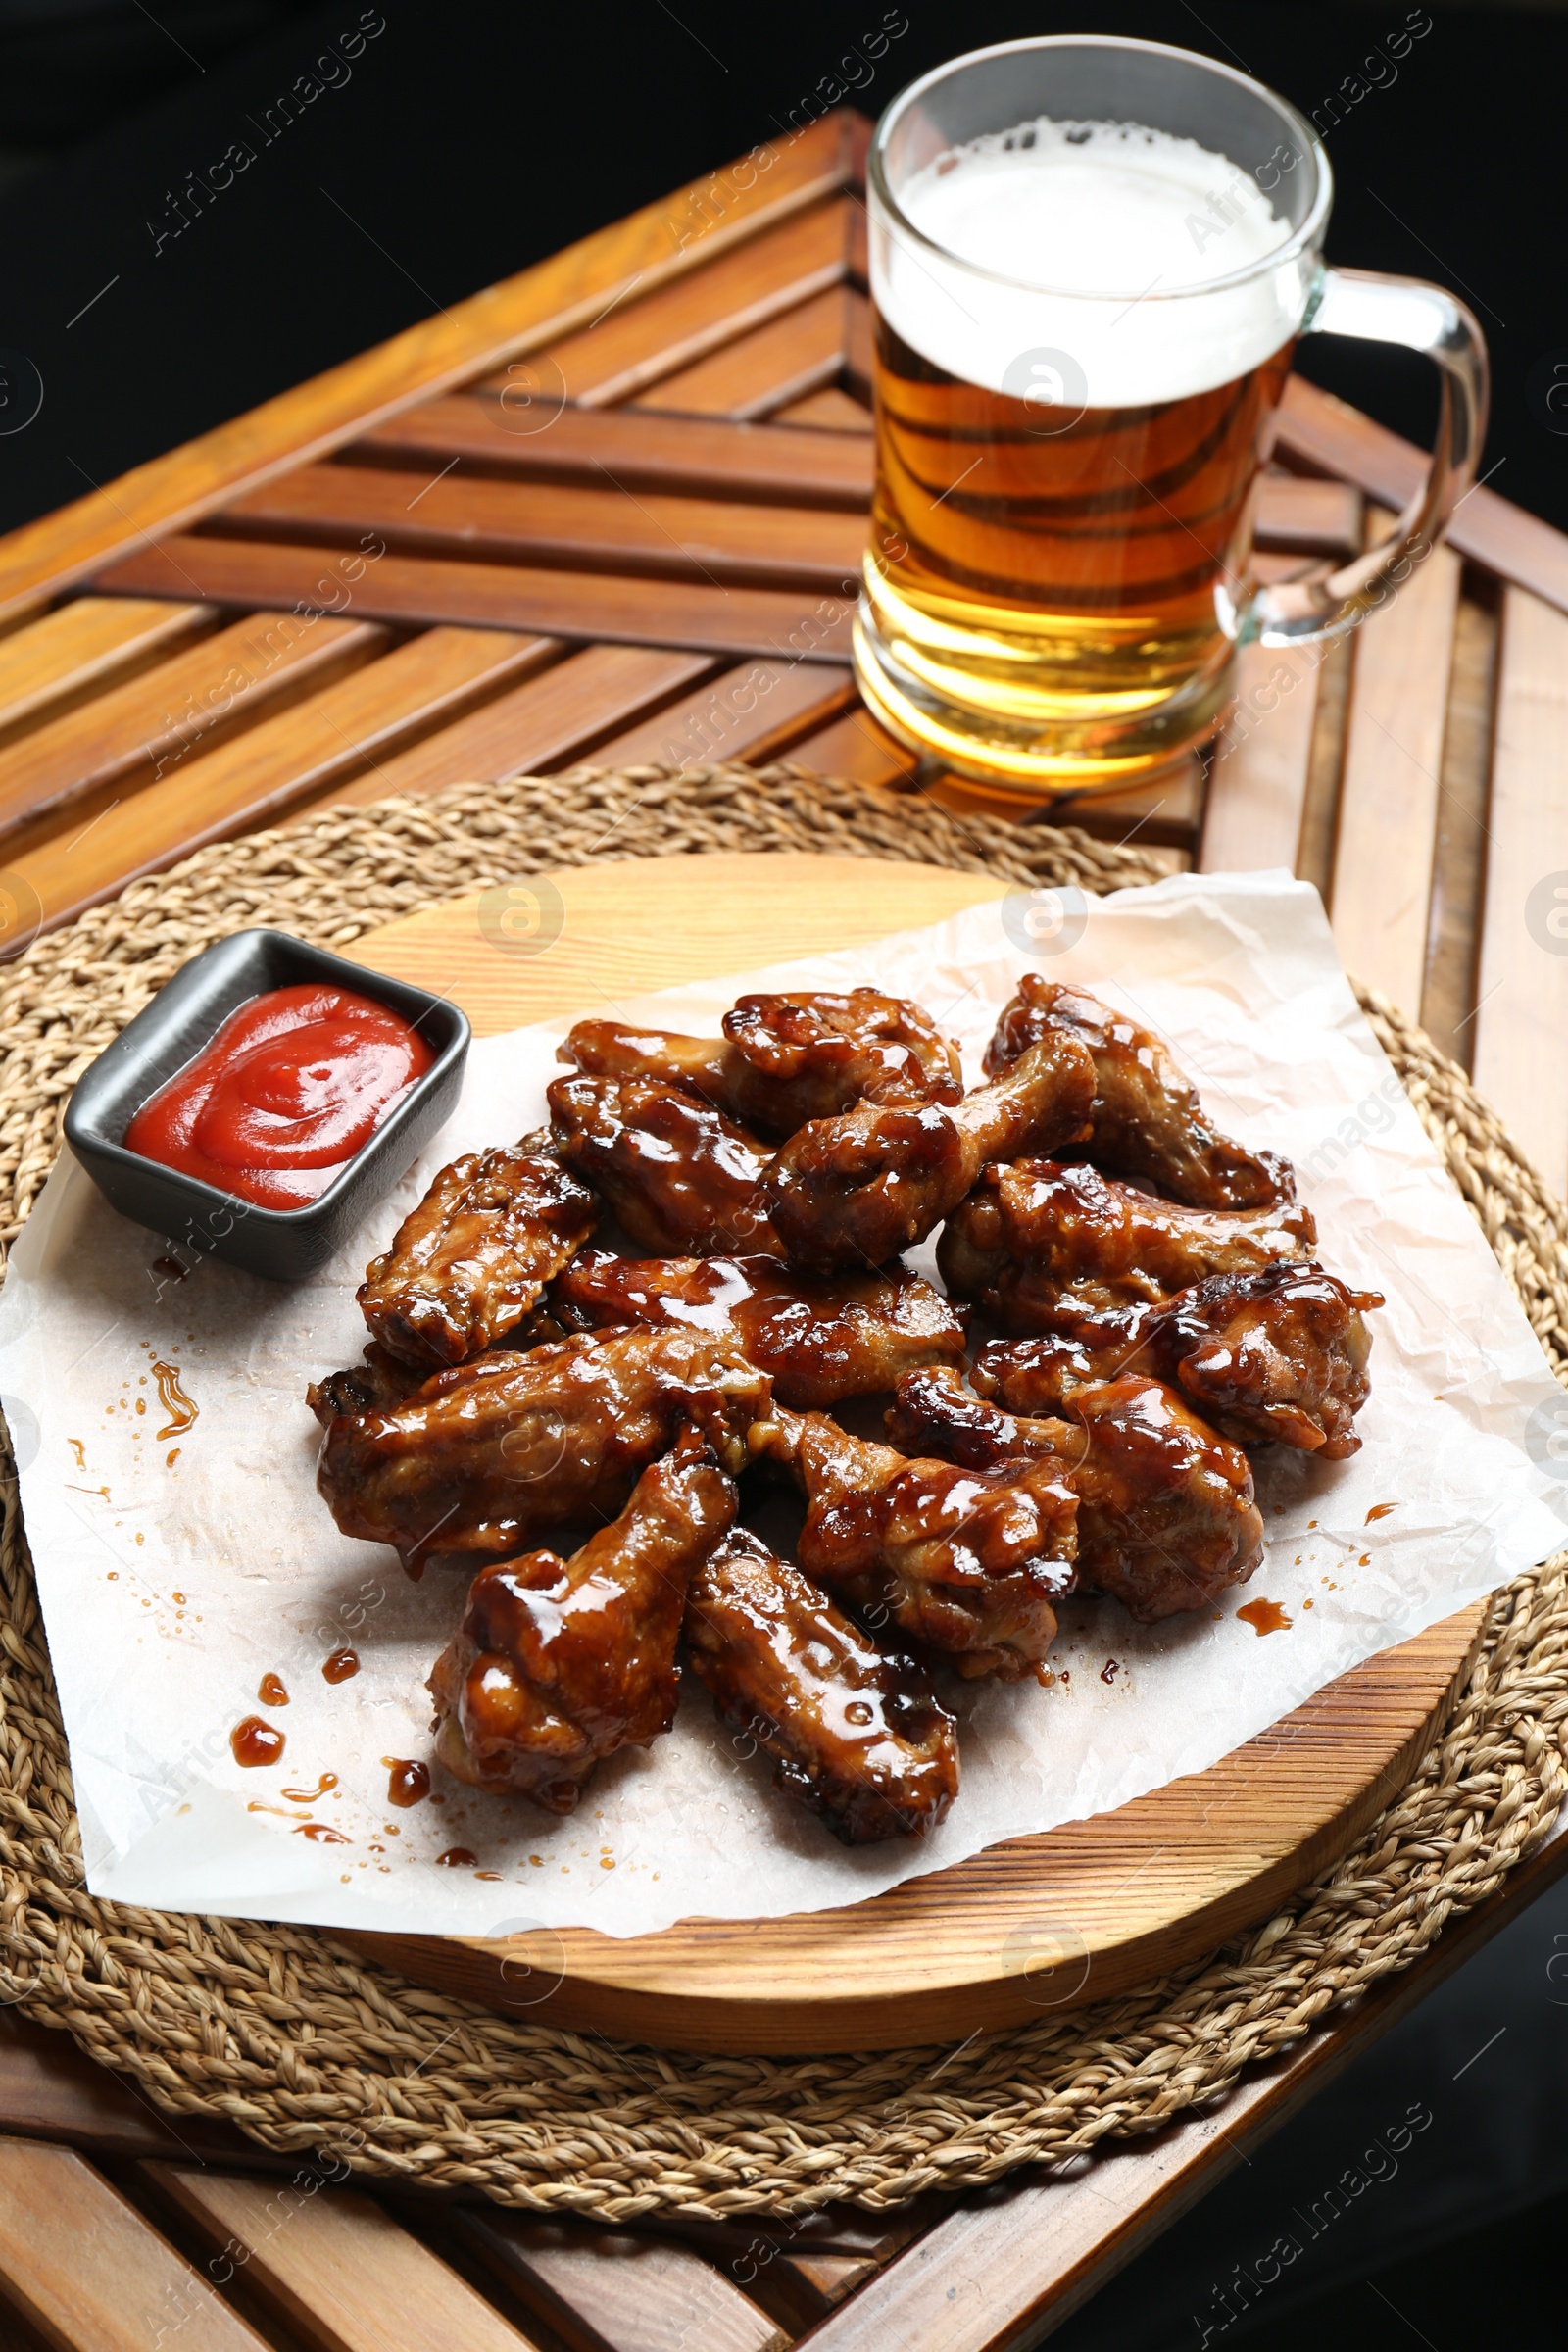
point(303, 2045)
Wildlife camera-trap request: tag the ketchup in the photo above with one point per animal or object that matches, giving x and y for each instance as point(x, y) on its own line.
point(294, 1084)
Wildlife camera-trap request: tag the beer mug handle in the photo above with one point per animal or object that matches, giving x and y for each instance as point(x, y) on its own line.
point(1423, 317)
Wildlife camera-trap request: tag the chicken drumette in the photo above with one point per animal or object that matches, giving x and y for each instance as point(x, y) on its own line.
point(784, 1059)
point(856, 1731)
point(469, 1266)
point(678, 1174)
point(1146, 1120)
point(490, 1457)
point(856, 1190)
point(819, 1338)
point(560, 1662)
point(1035, 1237)
point(1277, 1355)
point(1166, 1516)
point(970, 1563)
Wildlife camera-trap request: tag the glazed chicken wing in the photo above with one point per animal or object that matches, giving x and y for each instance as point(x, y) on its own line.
point(856, 1190)
point(1035, 1237)
point(855, 1733)
point(1279, 1355)
point(469, 1263)
point(820, 1337)
point(380, 1379)
point(1147, 1118)
point(971, 1562)
point(560, 1662)
point(490, 1457)
point(784, 1059)
point(679, 1176)
point(1166, 1516)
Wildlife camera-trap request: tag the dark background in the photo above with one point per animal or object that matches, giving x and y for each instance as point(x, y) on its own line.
point(477, 135)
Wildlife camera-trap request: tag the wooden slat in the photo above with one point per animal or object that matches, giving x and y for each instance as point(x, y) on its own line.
point(1522, 1019)
point(652, 335)
point(87, 2273)
point(1459, 874)
point(1004, 2273)
point(759, 372)
point(80, 649)
point(1319, 430)
point(747, 714)
point(423, 590)
point(175, 713)
point(1258, 768)
point(607, 528)
point(665, 239)
point(338, 2270)
point(332, 738)
point(831, 407)
point(704, 456)
point(856, 745)
point(1322, 518)
point(544, 723)
point(601, 2291)
point(1389, 792)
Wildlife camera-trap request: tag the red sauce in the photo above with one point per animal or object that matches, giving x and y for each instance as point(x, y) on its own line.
point(456, 1857)
point(1265, 1617)
point(407, 1782)
point(271, 1692)
point(294, 1084)
point(340, 1665)
point(254, 1741)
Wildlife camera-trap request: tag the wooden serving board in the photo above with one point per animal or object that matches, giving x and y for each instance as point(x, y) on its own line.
point(1033, 1924)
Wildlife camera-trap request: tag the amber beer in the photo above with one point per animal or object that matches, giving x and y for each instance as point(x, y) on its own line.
point(1066, 458)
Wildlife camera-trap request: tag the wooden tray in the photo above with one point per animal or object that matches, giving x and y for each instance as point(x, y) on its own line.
point(1029, 1926)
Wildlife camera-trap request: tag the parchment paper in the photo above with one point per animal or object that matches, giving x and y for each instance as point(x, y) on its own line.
point(178, 1568)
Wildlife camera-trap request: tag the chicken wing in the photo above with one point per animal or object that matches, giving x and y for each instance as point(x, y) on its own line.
point(857, 1734)
point(1277, 1355)
point(1146, 1120)
point(820, 1337)
point(679, 1176)
point(1035, 1237)
point(560, 1662)
point(494, 1454)
point(381, 1378)
point(784, 1059)
point(469, 1263)
point(856, 1190)
point(971, 1562)
point(1166, 1516)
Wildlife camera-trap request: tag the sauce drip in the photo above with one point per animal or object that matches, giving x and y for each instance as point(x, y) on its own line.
point(271, 1692)
point(456, 1857)
point(308, 1796)
point(409, 1780)
point(1379, 1511)
point(1110, 1669)
point(293, 1085)
point(172, 1267)
point(340, 1665)
point(1265, 1617)
point(319, 1832)
point(254, 1741)
point(173, 1400)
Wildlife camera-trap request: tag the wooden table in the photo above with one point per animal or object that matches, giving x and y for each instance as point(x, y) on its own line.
point(612, 509)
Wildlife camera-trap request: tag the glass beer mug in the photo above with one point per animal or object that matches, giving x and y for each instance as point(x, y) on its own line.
point(1090, 258)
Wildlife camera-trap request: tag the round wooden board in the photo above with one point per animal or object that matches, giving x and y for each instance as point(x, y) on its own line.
point(1035, 1924)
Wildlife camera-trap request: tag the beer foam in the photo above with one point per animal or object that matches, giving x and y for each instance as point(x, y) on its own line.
point(1113, 242)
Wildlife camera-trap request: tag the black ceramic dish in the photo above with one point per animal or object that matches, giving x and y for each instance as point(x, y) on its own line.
point(284, 1245)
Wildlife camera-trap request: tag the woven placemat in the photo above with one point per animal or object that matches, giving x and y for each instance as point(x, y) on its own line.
point(299, 2041)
